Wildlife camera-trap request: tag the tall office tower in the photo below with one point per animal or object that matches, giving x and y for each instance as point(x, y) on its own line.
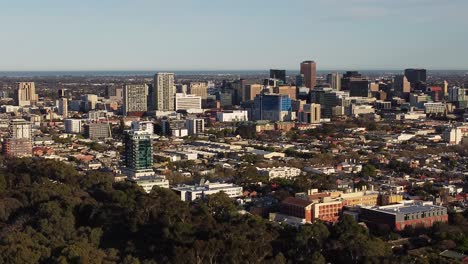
point(250, 91)
point(138, 155)
point(238, 86)
point(195, 126)
point(401, 86)
point(164, 92)
point(289, 90)
point(417, 78)
point(63, 107)
point(347, 77)
point(273, 107)
point(334, 79)
point(18, 143)
point(359, 87)
point(309, 69)
point(135, 99)
point(300, 80)
point(26, 94)
point(278, 74)
point(199, 89)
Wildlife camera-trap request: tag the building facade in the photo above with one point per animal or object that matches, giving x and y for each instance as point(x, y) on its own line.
point(309, 70)
point(400, 216)
point(26, 94)
point(135, 99)
point(164, 92)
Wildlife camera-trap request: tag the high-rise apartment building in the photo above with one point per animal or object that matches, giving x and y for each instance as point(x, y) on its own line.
point(164, 92)
point(63, 107)
point(73, 126)
point(278, 74)
point(26, 94)
point(19, 140)
point(138, 155)
point(309, 69)
point(97, 131)
point(334, 79)
point(135, 99)
point(195, 126)
point(199, 89)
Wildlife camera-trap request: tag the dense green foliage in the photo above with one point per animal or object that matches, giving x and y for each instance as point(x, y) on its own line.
point(50, 213)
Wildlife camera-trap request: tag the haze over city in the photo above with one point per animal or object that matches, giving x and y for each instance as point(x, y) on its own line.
point(53, 35)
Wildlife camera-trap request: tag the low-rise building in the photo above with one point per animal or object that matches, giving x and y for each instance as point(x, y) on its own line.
point(400, 216)
point(280, 172)
point(192, 192)
point(148, 182)
point(232, 116)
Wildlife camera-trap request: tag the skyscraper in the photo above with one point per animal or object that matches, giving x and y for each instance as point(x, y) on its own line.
point(401, 86)
point(417, 78)
point(26, 94)
point(164, 92)
point(273, 107)
point(300, 81)
point(309, 69)
point(138, 156)
point(63, 107)
point(135, 99)
point(334, 79)
point(278, 74)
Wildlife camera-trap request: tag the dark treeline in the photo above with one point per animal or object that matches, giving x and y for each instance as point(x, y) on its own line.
point(50, 213)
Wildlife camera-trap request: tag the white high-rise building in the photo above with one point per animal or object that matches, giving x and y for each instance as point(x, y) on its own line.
point(135, 98)
point(20, 129)
point(163, 92)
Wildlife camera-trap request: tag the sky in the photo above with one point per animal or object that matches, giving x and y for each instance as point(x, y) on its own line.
point(52, 35)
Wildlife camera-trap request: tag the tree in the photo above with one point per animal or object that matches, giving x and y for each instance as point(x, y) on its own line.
point(369, 171)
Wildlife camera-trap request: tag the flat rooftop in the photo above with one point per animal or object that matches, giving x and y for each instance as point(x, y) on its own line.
point(406, 209)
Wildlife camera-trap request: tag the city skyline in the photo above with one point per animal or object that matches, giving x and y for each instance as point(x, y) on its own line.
point(184, 35)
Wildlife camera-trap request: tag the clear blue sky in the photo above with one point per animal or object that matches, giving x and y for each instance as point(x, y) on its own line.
point(232, 34)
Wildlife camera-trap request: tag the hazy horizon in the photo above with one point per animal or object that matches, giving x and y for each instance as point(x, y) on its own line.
point(141, 35)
